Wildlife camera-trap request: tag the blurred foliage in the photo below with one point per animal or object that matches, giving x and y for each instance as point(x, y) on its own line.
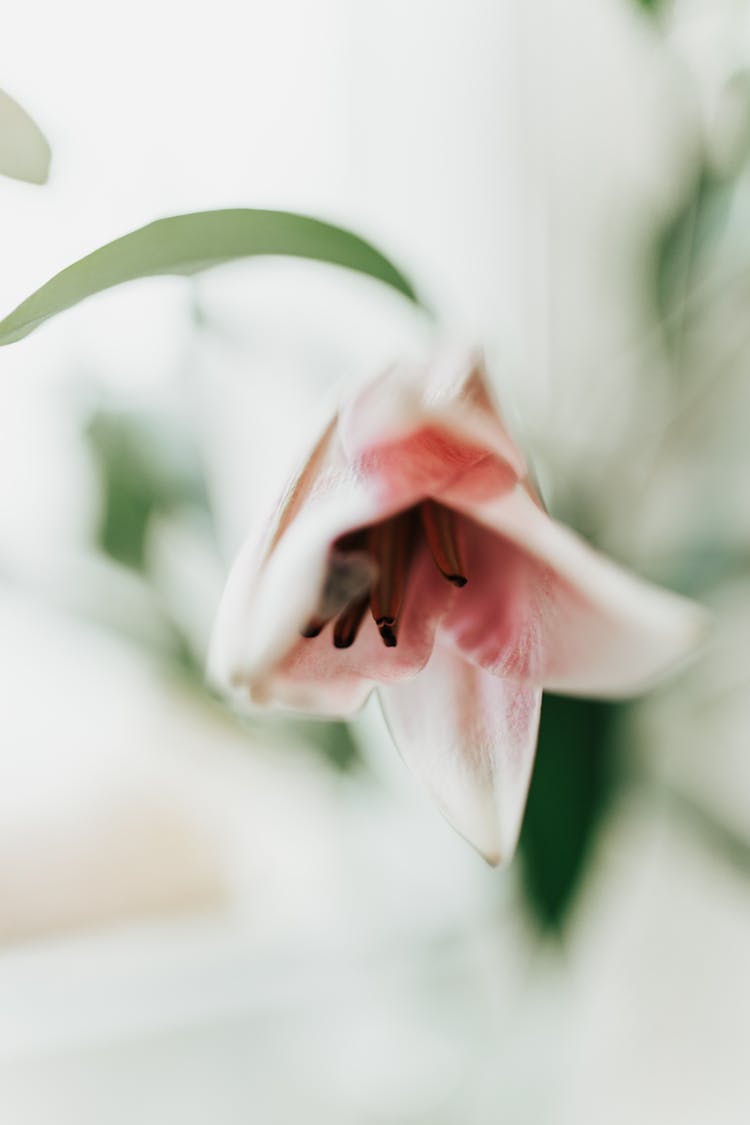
point(334, 740)
point(147, 467)
point(578, 768)
point(650, 5)
point(686, 247)
point(683, 247)
point(574, 778)
point(707, 566)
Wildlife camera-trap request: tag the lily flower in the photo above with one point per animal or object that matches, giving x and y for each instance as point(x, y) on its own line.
point(412, 554)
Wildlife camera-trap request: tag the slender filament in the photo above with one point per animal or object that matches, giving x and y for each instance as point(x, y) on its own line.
point(439, 525)
point(389, 543)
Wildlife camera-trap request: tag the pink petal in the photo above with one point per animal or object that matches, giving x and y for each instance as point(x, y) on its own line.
point(543, 606)
point(470, 738)
point(416, 430)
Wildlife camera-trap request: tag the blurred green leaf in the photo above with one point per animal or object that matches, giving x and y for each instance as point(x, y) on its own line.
point(24, 151)
point(574, 777)
point(705, 566)
point(145, 466)
point(683, 248)
point(185, 244)
point(650, 5)
point(334, 740)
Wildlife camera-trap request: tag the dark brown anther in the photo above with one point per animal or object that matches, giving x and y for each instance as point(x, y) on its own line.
point(347, 623)
point(439, 525)
point(349, 576)
point(313, 628)
point(388, 634)
point(389, 544)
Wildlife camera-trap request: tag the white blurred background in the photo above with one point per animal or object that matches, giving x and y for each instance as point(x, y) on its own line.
point(201, 921)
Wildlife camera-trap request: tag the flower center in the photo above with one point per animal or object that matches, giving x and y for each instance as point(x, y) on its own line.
point(369, 569)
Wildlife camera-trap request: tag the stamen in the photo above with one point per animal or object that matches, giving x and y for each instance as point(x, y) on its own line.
point(347, 624)
point(439, 524)
point(314, 628)
point(350, 575)
point(389, 543)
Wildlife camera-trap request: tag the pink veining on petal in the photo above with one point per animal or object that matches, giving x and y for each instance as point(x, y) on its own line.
point(498, 622)
point(431, 459)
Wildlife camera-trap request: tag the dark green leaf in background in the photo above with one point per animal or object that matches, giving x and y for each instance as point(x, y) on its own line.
point(185, 244)
point(574, 777)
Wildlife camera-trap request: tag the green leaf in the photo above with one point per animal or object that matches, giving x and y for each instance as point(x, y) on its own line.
point(333, 740)
point(574, 777)
point(146, 467)
point(24, 151)
point(684, 248)
point(185, 244)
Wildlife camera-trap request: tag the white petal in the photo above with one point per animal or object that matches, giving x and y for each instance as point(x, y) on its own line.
point(264, 606)
point(470, 737)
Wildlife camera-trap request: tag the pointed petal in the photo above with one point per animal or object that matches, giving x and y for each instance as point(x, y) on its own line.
point(24, 151)
point(235, 627)
point(416, 430)
point(543, 606)
point(470, 738)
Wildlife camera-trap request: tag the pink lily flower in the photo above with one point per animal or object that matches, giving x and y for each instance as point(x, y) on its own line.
point(412, 554)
